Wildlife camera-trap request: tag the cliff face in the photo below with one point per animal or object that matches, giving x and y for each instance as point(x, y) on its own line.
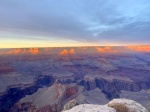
point(49, 99)
point(116, 105)
point(112, 88)
point(13, 94)
point(97, 75)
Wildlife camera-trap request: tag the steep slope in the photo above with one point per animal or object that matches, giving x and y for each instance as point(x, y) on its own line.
point(49, 99)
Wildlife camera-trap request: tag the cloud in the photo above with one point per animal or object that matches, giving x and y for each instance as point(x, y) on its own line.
point(94, 21)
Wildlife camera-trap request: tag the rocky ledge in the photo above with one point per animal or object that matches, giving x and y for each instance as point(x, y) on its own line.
point(116, 105)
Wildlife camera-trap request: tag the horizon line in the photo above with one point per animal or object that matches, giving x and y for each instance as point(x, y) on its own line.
point(74, 46)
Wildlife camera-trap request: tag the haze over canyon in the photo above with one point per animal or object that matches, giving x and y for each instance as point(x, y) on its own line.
point(45, 79)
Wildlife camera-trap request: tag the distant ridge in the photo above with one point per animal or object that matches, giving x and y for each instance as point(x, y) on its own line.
point(74, 50)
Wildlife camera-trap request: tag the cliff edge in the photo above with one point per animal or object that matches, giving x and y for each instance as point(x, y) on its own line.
point(116, 105)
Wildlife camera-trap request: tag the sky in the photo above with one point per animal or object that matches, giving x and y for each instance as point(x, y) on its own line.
point(57, 23)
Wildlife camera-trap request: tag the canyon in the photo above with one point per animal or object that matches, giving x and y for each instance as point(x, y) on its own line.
point(45, 79)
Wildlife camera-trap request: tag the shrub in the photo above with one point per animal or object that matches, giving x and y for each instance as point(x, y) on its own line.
point(120, 108)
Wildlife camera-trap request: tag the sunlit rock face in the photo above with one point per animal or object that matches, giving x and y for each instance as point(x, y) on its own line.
point(33, 50)
point(116, 105)
point(64, 52)
point(67, 52)
point(76, 50)
point(21, 51)
point(106, 49)
point(14, 51)
point(139, 48)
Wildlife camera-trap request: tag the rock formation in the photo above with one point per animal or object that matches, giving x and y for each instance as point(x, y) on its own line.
point(124, 105)
point(116, 105)
point(70, 105)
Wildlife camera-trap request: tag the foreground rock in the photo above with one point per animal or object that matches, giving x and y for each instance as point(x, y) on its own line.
point(91, 108)
point(70, 105)
point(124, 105)
point(116, 105)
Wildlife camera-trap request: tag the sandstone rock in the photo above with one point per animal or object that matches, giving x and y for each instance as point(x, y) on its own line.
point(125, 105)
point(70, 105)
point(116, 105)
point(91, 108)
